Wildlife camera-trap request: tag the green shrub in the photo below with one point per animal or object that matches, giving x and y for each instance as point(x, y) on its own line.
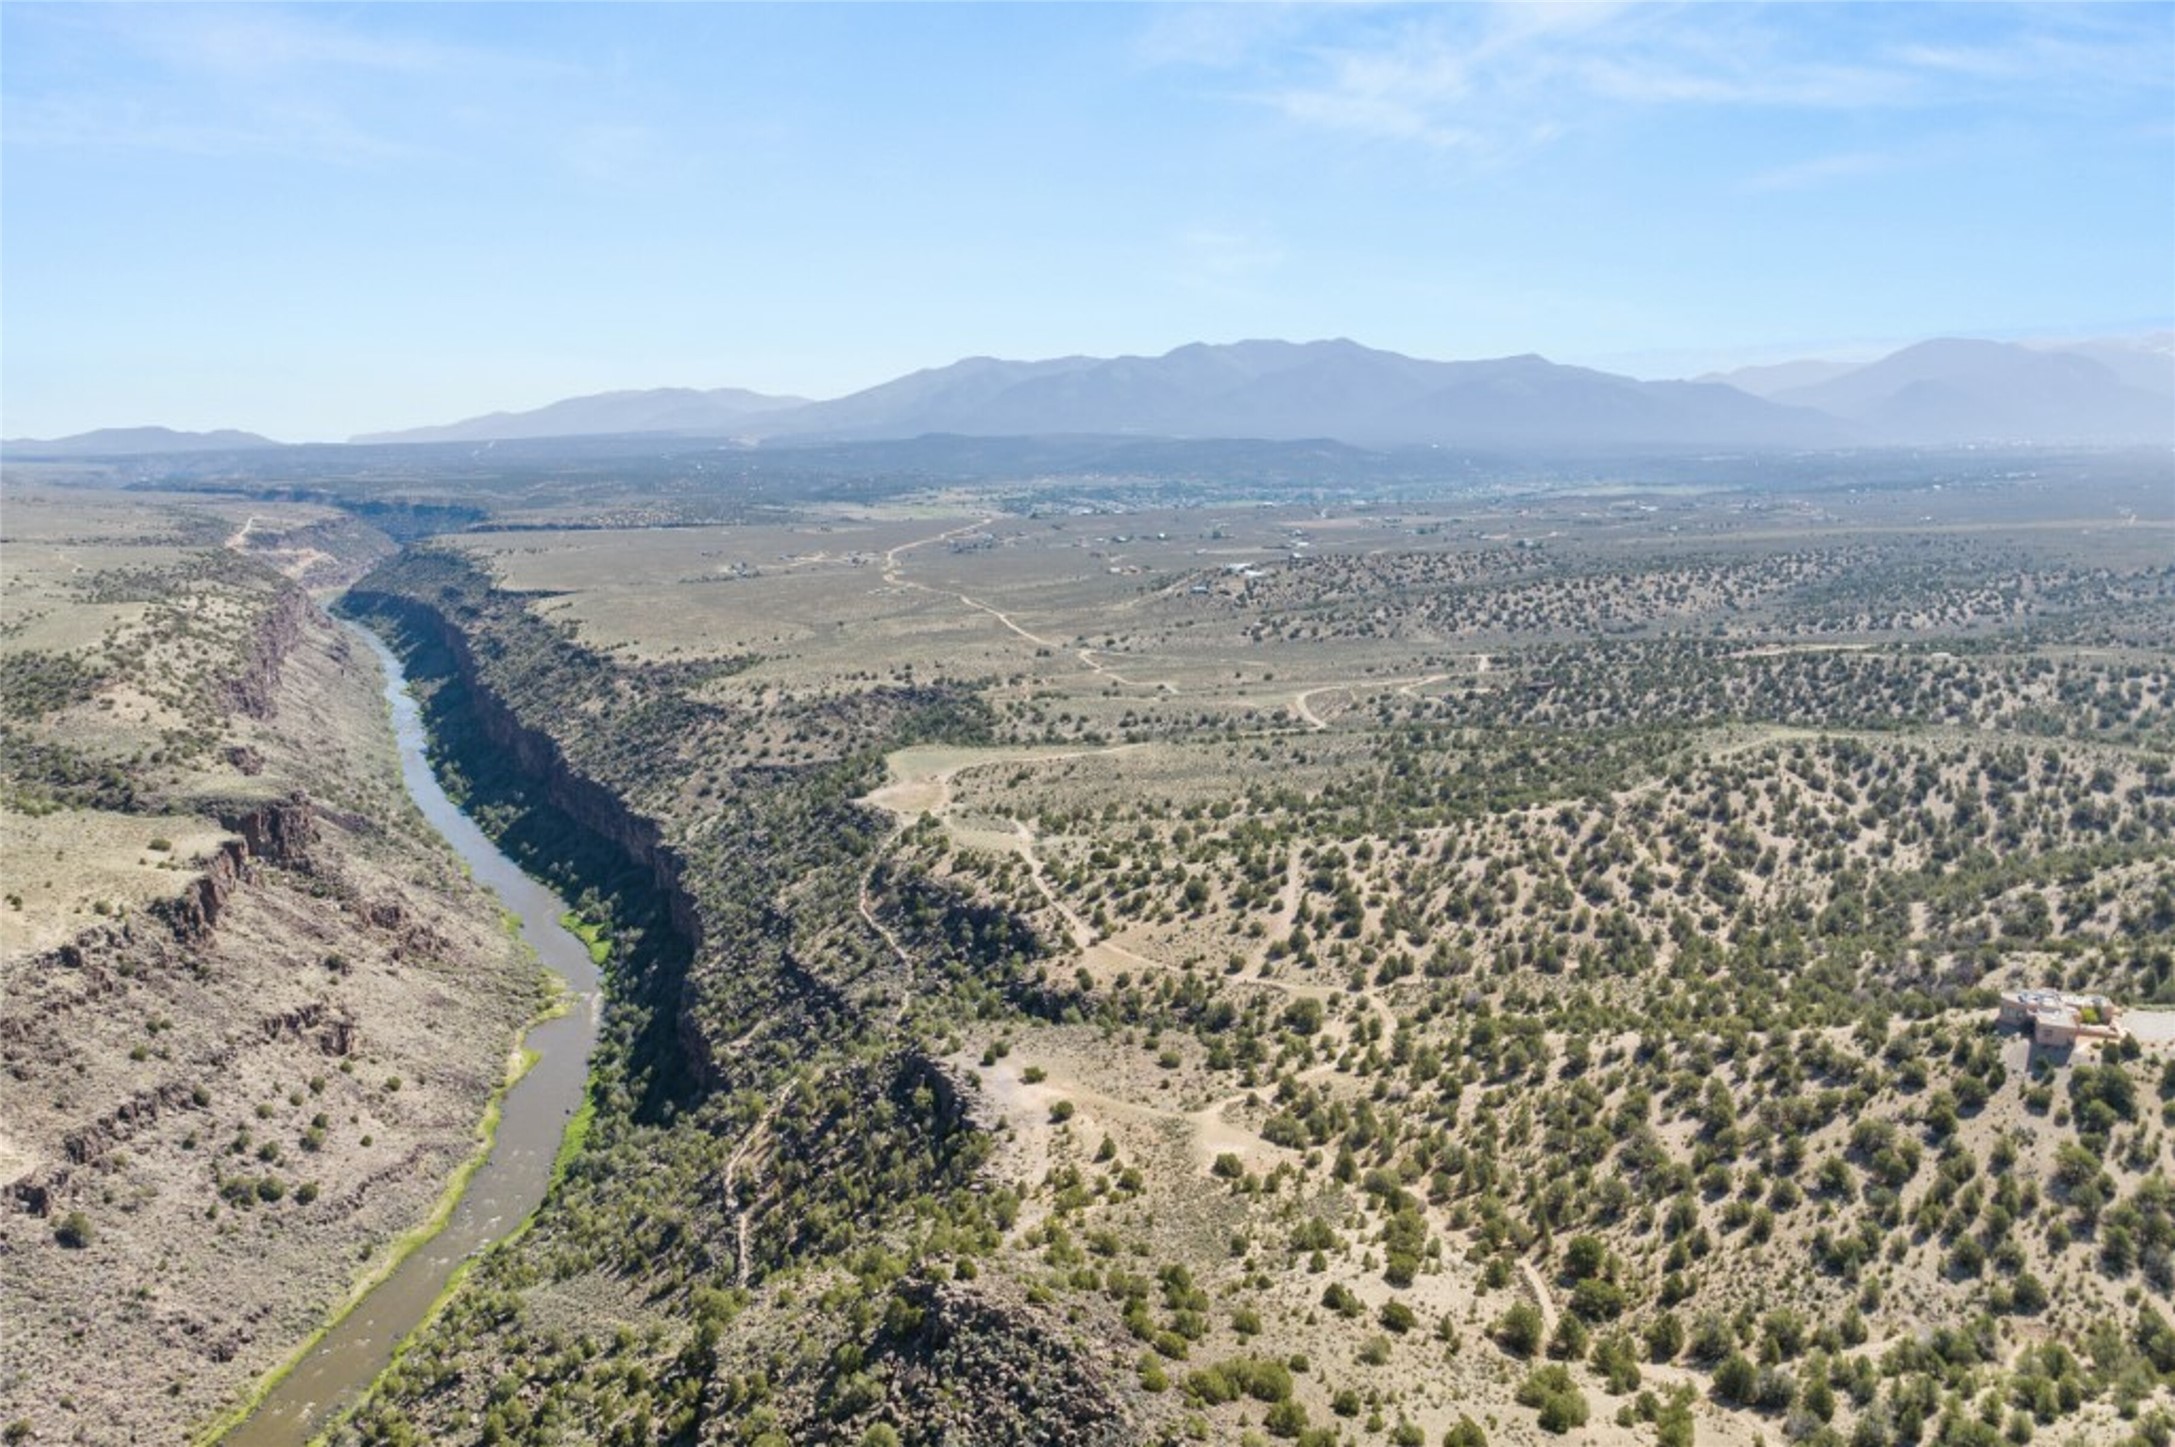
point(1612, 1357)
point(1561, 1404)
point(1736, 1379)
point(1286, 1419)
point(1598, 1300)
point(1261, 1378)
point(1520, 1330)
point(1585, 1257)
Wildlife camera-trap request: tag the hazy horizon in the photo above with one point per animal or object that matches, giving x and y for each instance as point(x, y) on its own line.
point(1647, 366)
point(314, 223)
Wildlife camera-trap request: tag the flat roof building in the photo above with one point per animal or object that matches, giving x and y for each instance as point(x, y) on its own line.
point(2059, 1019)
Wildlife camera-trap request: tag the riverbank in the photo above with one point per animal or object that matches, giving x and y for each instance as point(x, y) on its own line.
point(456, 1186)
point(520, 1137)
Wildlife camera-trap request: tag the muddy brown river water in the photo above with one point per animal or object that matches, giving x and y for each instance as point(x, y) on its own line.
point(511, 1182)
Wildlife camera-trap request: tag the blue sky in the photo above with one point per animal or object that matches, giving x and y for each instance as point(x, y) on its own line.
point(326, 219)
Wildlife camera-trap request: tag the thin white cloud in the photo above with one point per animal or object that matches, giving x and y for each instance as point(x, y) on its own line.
point(1220, 263)
point(1405, 94)
point(623, 156)
point(2074, 49)
point(1489, 80)
point(265, 43)
point(1656, 81)
point(281, 129)
point(249, 81)
point(1971, 60)
point(1216, 36)
point(1824, 170)
point(1226, 256)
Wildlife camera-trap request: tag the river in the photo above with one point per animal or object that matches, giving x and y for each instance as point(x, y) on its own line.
point(511, 1182)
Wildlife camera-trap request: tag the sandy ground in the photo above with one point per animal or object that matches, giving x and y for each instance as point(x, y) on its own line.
point(60, 868)
point(2151, 1027)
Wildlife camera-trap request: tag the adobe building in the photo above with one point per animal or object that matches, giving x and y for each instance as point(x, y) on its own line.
point(2058, 1019)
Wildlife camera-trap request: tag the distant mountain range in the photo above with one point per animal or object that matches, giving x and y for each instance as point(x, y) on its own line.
point(1967, 391)
point(661, 409)
point(1941, 391)
point(1285, 390)
point(2146, 362)
point(135, 442)
point(1985, 391)
point(2117, 391)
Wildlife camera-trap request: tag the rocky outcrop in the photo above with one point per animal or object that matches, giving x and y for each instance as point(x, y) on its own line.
point(194, 914)
point(978, 1369)
point(334, 1034)
point(960, 1099)
point(279, 834)
point(117, 1125)
point(254, 690)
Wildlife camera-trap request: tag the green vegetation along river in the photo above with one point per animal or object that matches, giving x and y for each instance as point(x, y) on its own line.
point(532, 1119)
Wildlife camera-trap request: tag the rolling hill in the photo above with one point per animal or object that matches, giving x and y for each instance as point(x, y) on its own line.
point(658, 409)
point(134, 442)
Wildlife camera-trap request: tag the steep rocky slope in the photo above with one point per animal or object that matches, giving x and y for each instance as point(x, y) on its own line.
point(250, 1008)
point(765, 1137)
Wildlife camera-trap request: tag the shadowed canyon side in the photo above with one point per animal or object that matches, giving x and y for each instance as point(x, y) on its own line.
point(250, 1009)
point(780, 1125)
point(570, 827)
